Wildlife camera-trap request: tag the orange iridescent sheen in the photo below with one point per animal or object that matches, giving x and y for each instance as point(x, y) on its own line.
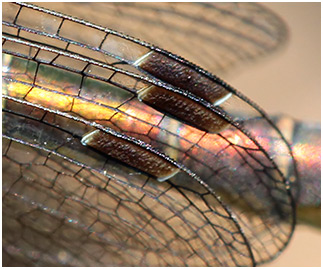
point(308, 153)
point(92, 111)
point(141, 111)
point(15, 89)
point(50, 99)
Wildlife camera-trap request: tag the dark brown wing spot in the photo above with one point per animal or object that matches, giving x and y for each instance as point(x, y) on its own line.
point(182, 76)
point(131, 154)
point(183, 108)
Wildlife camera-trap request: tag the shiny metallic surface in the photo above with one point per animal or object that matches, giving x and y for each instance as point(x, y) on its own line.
point(230, 203)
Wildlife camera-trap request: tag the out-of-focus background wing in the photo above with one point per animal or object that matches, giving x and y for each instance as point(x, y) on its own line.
point(216, 36)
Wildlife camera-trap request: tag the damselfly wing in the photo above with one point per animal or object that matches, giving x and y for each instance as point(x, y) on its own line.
point(117, 152)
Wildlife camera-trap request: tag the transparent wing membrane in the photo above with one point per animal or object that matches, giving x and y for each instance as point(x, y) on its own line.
point(231, 33)
point(118, 153)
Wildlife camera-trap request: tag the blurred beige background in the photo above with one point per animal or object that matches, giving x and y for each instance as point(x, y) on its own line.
point(289, 82)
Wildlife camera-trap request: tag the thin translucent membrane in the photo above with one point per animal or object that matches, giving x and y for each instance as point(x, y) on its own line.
point(228, 34)
point(228, 205)
point(154, 214)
